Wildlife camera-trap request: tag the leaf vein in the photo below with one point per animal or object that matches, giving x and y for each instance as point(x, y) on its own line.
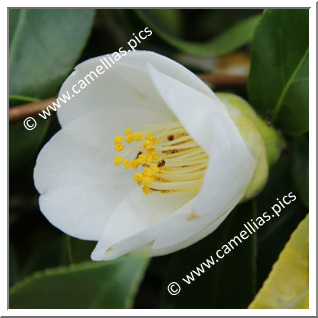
point(288, 84)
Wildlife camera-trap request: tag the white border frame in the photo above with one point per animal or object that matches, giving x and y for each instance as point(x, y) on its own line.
point(312, 166)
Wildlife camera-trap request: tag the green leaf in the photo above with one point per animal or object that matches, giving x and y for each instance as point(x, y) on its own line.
point(90, 285)
point(279, 77)
point(231, 282)
point(300, 168)
point(288, 283)
point(44, 45)
point(228, 41)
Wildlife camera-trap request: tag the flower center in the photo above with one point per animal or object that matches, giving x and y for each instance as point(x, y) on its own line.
point(170, 160)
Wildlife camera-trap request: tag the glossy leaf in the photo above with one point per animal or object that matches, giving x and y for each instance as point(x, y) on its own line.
point(300, 168)
point(44, 45)
point(288, 283)
point(228, 41)
point(87, 285)
point(223, 281)
point(279, 75)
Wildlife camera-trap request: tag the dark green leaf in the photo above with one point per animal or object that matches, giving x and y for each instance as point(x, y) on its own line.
point(300, 168)
point(230, 283)
point(88, 285)
point(228, 41)
point(279, 75)
point(44, 46)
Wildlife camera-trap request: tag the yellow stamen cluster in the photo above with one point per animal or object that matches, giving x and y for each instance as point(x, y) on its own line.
point(172, 161)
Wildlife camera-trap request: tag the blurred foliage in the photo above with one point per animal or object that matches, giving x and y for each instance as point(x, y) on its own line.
point(49, 269)
point(228, 41)
point(288, 283)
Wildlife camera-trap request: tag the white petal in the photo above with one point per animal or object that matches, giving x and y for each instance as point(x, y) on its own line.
point(117, 87)
point(205, 231)
point(143, 229)
point(126, 83)
point(167, 66)
point(75, 174)
point(144, 237)
point(192, 108)
point(137, 214)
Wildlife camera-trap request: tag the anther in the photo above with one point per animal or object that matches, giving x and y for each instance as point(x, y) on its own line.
point(127, 164)
point(130, 138)
point(138, 136)
point(119, 147)
point(128, 131)
point(118, 139)
point(145, 190)
point(118, 160)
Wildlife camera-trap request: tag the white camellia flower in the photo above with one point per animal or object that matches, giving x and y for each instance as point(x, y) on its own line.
point(184, 159)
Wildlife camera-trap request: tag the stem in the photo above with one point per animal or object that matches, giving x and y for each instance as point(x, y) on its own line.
point(23, 111)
